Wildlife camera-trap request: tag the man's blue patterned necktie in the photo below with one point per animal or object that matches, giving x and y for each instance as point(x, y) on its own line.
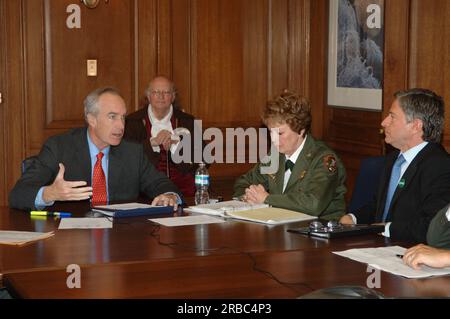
point(395, 176)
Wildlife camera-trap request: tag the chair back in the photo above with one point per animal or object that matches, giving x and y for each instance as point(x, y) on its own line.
point(367, 182)
point(26, 163)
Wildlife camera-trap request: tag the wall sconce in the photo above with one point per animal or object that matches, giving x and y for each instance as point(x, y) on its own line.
point(91, 4)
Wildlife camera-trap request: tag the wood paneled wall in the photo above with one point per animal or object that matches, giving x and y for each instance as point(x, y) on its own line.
point(429, 51)
point(416, 54)
point(13, 90)
point(235, 55)
point(226, 57)
point(3, 157)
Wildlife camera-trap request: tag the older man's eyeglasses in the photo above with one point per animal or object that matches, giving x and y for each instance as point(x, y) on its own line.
point(161, 93)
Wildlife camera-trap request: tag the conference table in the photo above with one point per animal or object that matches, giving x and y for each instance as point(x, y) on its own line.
point(236, 259)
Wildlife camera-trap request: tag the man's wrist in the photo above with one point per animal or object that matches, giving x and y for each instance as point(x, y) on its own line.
point(40, 202)
point(46, 197)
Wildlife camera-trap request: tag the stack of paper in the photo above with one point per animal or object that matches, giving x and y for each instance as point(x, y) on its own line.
point(223, 208)
point(270, 215)
point(188, 220)
point(21, 237)
point(260, 213)
point(85, 223)
point(386, 259)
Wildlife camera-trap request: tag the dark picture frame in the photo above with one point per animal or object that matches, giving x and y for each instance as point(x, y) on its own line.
point(355, 54)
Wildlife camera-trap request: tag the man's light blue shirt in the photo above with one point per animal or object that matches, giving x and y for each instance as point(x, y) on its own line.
point(409, 156)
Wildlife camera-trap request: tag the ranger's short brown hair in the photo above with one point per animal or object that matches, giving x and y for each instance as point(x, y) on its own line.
point(289, 108)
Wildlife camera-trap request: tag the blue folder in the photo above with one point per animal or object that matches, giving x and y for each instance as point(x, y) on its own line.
point(119, 213)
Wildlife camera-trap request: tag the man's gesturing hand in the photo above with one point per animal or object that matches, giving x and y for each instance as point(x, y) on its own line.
point(62, 190)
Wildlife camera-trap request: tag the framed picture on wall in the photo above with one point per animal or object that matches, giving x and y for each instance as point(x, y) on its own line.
point(355, 54)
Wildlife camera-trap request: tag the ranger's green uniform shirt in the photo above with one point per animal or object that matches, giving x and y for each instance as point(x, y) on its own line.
point(315, 187)
point(439, 230)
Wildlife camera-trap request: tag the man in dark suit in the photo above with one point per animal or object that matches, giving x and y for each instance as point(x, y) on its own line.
point(415, 183)
point(157, 126)
point(93, 162)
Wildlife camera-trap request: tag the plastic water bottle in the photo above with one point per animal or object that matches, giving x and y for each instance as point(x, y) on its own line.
point(201, 184)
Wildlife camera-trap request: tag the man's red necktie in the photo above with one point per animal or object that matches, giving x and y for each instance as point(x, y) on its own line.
point(99, 183)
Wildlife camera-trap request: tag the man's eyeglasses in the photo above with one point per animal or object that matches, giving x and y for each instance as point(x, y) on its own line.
point(161, 93)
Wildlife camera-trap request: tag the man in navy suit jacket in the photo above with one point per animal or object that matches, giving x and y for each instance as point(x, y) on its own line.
point(414, 126)
point(64, 168)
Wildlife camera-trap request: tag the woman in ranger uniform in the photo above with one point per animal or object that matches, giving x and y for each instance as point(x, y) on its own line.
point(310, 177)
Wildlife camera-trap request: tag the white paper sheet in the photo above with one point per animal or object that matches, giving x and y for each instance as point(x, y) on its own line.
point(187, 220)
point(221, 208)
point(11, 237)
point(85, 223)
point(270, 215)
point(384, 258)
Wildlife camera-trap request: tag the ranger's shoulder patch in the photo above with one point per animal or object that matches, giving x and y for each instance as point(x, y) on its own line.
point(330, 163)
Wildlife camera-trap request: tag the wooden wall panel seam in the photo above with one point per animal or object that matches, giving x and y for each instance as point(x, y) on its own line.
point(13, 113)
point(23, 107)
point(190, 55)
point(24, 77)
point(193, 59)
point(269, 50)
point(307, 33)
point(135, 55)
point(3, 90)
point(48, 64)
point(412, 51)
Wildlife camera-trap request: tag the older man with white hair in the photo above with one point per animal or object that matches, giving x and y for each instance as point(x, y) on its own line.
point(157, 126)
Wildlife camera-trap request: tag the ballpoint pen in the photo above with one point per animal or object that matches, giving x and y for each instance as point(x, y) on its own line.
point(45, 213)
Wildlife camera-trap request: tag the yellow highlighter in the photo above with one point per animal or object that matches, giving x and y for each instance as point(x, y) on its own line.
point(45, 213)
point(38, 213)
